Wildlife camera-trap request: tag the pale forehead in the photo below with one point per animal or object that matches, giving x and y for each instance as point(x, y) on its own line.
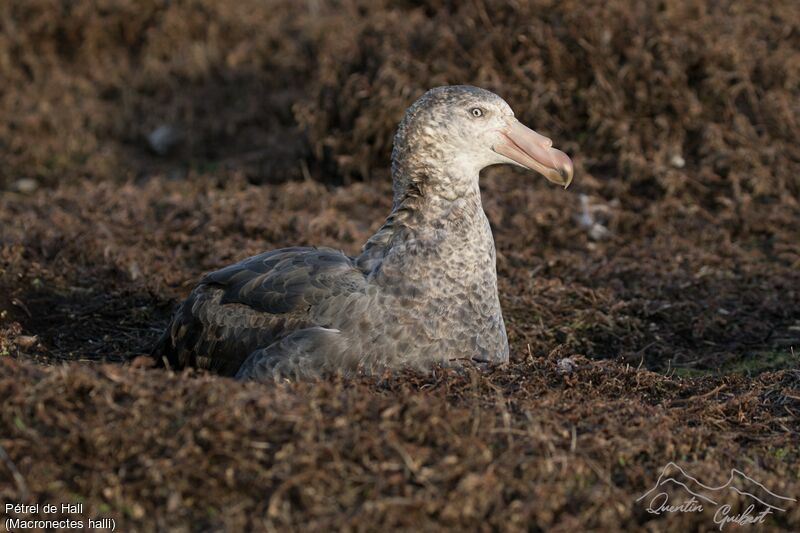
point(465, 95)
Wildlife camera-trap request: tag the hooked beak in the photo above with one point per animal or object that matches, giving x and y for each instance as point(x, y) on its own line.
point(533, 151)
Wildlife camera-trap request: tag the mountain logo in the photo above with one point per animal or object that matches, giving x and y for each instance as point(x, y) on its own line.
point(763, 501)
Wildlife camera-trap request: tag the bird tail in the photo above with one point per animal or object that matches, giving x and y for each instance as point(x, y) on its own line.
point(163, 351)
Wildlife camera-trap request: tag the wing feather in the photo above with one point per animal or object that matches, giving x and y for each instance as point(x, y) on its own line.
point(253, 303)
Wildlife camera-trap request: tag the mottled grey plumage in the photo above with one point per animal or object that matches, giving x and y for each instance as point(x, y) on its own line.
point(423, 290)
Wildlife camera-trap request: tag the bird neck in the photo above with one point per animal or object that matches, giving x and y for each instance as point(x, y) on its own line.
point(427, 166)
point(434, 218)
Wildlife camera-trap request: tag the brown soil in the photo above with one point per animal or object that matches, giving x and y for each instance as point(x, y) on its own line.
point(680, 309)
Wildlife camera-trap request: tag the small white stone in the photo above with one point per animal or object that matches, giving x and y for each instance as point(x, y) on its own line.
point(163, 139)
point(25, 185)
point(566, 365)
point(599, 232)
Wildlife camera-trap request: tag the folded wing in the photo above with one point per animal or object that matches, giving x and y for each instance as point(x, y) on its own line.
point(254, 303)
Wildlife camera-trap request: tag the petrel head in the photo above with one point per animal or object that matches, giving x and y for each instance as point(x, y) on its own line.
point(468, 128)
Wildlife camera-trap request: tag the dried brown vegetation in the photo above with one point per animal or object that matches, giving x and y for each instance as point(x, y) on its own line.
point(680, 307)
point(522, 448)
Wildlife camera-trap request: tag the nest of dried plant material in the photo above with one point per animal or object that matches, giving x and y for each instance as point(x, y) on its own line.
point(518, 448)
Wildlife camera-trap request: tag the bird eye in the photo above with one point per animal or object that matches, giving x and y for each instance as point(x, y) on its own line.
point(476, 112)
